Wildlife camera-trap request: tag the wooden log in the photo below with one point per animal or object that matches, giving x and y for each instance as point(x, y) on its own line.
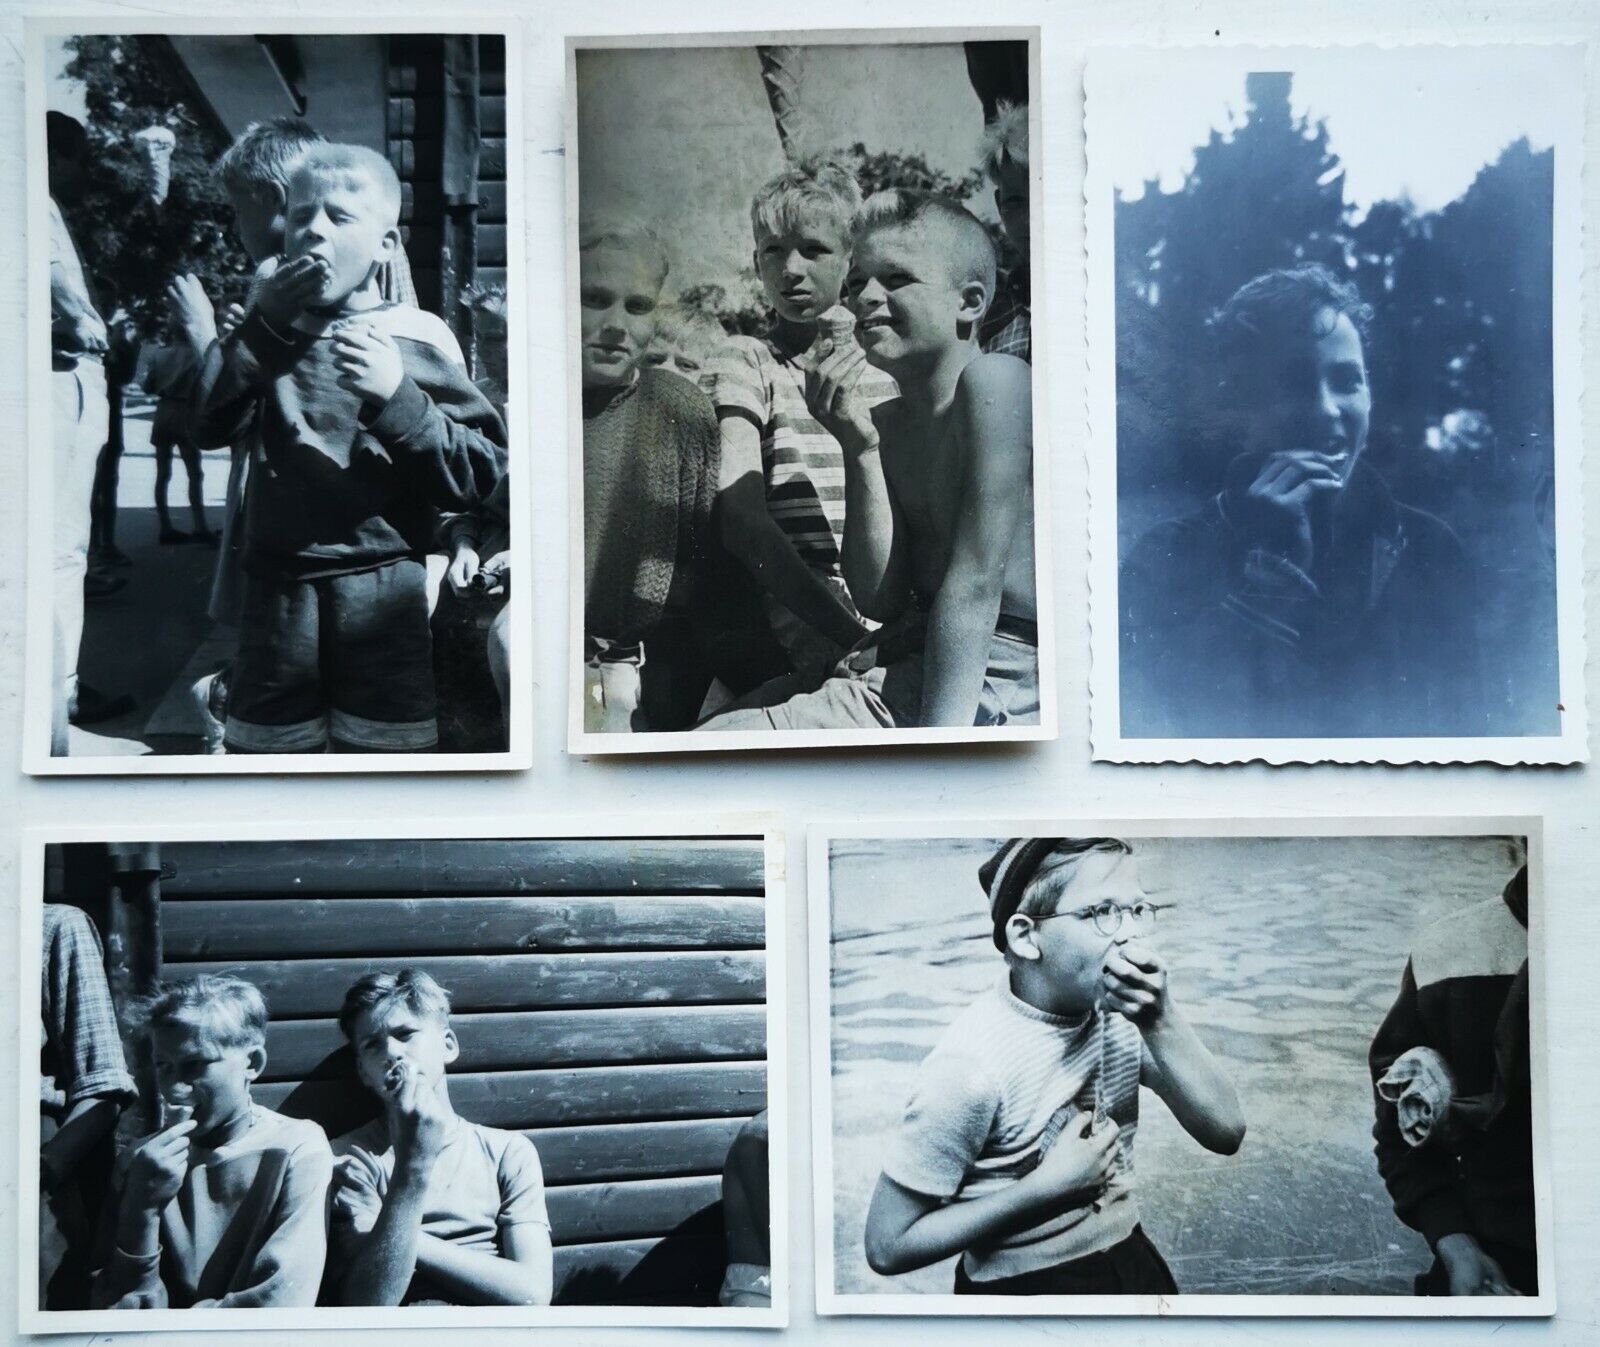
point(275, 928)
point(315, 988)
point(492, 159)
point(472, 866)
point(484, 277)
point(316, 1049)
point(595, 1154)
point(648, 1208)
point(492, 244)
point(491, 205)
point(520, 1100)
point(492, 115)
point(583, 1272)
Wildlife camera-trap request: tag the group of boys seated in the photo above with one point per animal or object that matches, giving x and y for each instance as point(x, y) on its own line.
point(829, 526)
point(360, 445)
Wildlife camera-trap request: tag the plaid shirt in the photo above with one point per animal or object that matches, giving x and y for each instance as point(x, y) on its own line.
point(80, 1047)
point(1007, 328)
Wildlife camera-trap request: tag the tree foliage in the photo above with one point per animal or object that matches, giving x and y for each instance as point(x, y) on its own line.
point(131, 245)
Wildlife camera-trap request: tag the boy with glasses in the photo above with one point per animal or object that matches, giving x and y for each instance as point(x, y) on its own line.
point(1016, 1148)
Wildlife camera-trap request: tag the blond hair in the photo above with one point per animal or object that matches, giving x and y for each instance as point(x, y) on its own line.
point(227, 1010)
point(815, 189)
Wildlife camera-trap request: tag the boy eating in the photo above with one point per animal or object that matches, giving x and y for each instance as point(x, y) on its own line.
point(224, 1206)
point(430, 1208)
point(368, 427)
point(1016, 1149)
point(938, 538)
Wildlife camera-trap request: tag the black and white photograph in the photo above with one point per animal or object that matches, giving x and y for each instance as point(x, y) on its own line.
point(408, 1080)
point(1210, 1067)
point(1334, 397)
point(274, 519)
point(800, 350)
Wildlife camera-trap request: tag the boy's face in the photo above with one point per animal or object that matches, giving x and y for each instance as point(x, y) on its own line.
point(802, 269)
point(194, 1072)
point(674, 357)
point(1313, 394)
point(1071, 950)
point(618, 293)
point(906, 303)
point(393, 1040)
point(1011, 201)
point(345, 224)
point(258, 218)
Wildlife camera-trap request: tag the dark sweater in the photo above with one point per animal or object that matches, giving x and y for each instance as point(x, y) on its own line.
point(336, 485)
point(1465, 995)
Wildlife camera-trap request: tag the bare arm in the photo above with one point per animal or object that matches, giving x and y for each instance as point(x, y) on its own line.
point(1189, 1082)
point(873, 557)
point(383, 1261)
point(520, 1276)
point(995, 419)
point(753, 537)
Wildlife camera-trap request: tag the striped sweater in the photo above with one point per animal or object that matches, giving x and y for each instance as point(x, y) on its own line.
point(991, 1099)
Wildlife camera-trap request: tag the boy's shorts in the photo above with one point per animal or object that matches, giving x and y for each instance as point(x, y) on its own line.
point(1134, 1267)
point(342, 658)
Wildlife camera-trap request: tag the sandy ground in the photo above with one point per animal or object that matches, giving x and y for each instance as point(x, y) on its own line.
point(1285, 955)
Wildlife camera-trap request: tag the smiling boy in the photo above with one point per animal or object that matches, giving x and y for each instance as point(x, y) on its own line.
point(1302, 598)
point(368, 428)
point(938, 539)
point(1016, 1148)
point(224, 1206)
point(430, 1208)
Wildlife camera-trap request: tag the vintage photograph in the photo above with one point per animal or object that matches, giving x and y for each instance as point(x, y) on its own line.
point(1215, 1067)
point(801, 334)
point(273, 455)
point(1335, 438)
point(397, 1075)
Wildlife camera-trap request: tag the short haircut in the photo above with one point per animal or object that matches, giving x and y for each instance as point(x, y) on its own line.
point(629, 236)
point(815, 189)
point(64, 136)
point(967, 246)
point(264, 154)
point(229, 1011)
point(1270, 313)
point(690, 328)
point(354, 167)
point(377, 992)
point(1043, 890)
point(1005, 139)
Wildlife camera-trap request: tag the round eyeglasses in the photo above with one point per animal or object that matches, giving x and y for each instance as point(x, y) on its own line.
point(1109, 916)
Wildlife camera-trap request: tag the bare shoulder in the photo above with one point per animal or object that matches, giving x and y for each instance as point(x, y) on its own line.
point(995, 379)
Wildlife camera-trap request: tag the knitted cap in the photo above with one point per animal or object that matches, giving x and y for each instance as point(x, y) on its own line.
point(1005, 877)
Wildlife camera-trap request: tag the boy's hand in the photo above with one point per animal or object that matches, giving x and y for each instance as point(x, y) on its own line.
point(368, 362)
point(834, 397)
point(416, 1122)
point(1077, 1168)
point(494, 575)
point(1472, 1272)
point(191, 309)
point(1136, 983)
point(157, 1166)
point(232, 316)
point(463, 569)
point(357, 1205)
point(284, 294)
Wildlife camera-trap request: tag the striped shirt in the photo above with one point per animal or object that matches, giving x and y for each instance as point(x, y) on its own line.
point(803, 464)
point(991, 1099)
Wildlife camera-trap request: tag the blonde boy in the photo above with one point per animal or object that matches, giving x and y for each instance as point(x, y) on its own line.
point(782, 496)
point(430, 1207)
point(368, 428)
point(686, 343)
point(223, 1207)
point(1016, 1149)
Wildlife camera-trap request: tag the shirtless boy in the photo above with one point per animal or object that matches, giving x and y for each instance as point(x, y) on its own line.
point(938, 538)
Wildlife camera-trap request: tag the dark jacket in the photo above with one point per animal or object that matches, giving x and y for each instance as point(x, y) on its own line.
point(1464, 994)
point(1379, 639)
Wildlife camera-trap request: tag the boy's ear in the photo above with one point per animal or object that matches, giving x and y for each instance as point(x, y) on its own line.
point(255, 1061)
point(975, 298)
point(452, 1048)
point(390, 243)
point(1022, 936)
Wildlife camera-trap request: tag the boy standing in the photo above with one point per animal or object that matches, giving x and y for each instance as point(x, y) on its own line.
point(368, 428)
point(224, 1207)
point(1016, 1149)
point(938, 540)
point(782, 497)
point(430, 1207)
point(1008, 322)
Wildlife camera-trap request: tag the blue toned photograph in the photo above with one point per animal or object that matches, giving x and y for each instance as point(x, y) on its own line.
point(1337, 399)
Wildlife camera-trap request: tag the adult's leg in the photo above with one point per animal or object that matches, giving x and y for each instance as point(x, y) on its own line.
point(378, 661)
point(194, 466)
point(163, 450)
point(78, 429)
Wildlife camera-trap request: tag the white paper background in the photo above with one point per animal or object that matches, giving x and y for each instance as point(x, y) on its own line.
point(1025, 780)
